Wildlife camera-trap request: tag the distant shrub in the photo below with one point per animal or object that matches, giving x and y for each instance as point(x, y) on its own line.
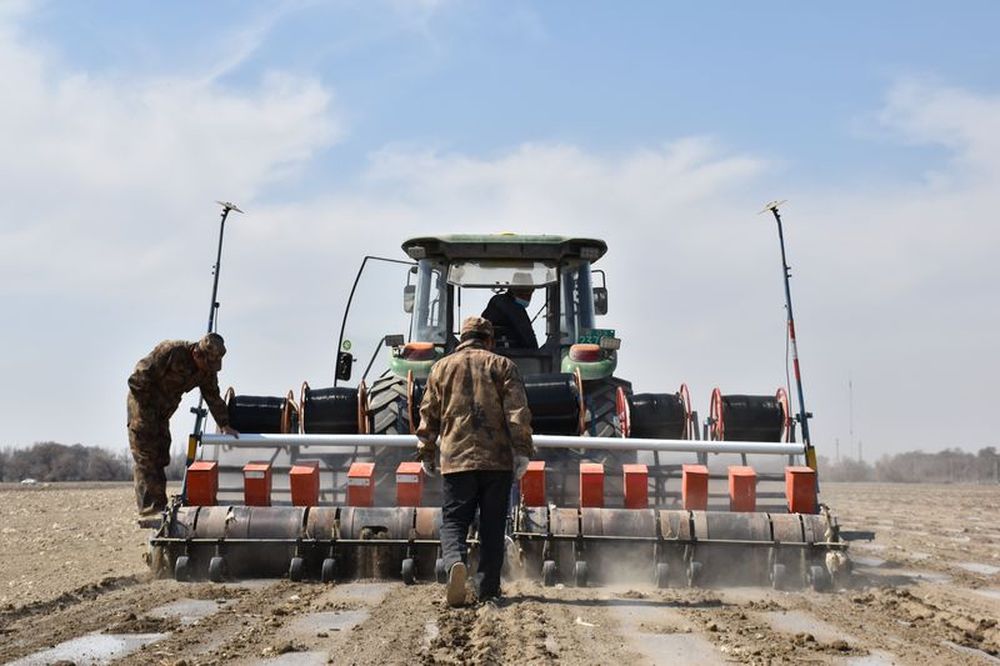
point(948, 466)
point(51, 461)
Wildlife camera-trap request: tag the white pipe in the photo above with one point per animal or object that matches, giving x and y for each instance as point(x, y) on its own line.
point(253, 440)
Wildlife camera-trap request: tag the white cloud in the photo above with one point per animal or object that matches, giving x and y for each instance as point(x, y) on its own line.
point(903, 280)
point(87, 160)
point(106, 220)
point(966, 123)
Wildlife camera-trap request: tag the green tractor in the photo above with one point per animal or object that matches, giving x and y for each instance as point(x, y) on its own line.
point(569, 376)
point(559, 269)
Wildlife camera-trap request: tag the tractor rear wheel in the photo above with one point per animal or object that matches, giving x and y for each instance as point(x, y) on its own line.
point(599, 396)
point(388, 406)
point(388, 414)
point(602, 412)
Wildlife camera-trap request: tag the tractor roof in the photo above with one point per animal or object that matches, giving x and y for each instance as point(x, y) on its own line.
point(504, 246)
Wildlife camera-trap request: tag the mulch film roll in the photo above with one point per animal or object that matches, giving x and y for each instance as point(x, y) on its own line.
point(753, 418)
point(555, 404)
point(330, 411)
point(657, 416)
point(256, 413)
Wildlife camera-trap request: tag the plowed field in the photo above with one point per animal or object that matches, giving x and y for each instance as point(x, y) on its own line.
point(74, 587)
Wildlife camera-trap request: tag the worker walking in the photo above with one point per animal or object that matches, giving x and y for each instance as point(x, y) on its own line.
point(475, 403)
point(172, 369)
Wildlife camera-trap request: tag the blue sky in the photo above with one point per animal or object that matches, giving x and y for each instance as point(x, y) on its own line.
point(344, 127)
point(478, 77)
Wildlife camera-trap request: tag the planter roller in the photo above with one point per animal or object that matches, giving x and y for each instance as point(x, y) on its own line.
point(602, 541)
point(673, 547)
point(322, 543)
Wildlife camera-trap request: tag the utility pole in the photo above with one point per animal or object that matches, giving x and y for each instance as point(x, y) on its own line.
point(837, 444)
point(850, 409)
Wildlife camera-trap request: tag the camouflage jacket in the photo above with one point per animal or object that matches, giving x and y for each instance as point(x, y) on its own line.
point(167, 373)
point(475, 402)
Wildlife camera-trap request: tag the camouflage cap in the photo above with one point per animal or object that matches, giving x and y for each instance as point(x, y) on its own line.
point(477, 326)
point(213, 348)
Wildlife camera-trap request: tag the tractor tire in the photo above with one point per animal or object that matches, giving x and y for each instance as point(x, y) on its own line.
point(387, 406)
point(602, 421)
point(388, 414)
point(599, 400)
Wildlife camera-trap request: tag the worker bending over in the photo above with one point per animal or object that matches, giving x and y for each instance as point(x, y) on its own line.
point(172, 369)
point(475, 402)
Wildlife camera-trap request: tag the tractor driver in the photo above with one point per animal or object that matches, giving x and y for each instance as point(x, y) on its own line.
point(508, 311)
point(172, 369)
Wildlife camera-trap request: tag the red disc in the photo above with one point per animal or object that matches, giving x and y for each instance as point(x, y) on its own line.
point(686, 401)
point(782, 397)
point(624, 412)
point(718, 425)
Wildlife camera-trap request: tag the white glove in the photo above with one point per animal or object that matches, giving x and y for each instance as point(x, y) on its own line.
point(520, 466)
point(430, 469)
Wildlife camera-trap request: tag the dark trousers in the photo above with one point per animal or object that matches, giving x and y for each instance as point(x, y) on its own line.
point(464, 492)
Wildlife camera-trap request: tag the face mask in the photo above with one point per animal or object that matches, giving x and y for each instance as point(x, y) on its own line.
point(523, 303)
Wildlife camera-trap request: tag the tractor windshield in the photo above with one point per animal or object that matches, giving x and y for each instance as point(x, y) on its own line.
point(497, 273)
point(577, 301)
point(430, 317)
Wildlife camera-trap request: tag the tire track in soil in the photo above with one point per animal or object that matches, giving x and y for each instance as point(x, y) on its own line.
point(84, 593)
point(916, 621)
point(102, 607)
point(249, 628)
point(911, 625)
point(735, 626)
point(741, 633)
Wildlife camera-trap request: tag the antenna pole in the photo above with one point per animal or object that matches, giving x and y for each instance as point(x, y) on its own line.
point(786, 272)
point(199, 411)
point(214, 306)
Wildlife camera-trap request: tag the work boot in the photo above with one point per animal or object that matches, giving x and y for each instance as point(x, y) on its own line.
point(151, 517)
point(455, 591)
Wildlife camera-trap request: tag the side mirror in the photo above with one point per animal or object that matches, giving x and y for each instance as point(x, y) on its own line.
point(394, 340)
point(409, 296)
point(344, 363)
point(601, 300)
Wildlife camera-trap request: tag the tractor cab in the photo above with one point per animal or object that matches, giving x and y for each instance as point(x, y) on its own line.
point(549, 277)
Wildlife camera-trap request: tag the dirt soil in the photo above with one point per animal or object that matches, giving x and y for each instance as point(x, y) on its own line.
point(925, 591)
